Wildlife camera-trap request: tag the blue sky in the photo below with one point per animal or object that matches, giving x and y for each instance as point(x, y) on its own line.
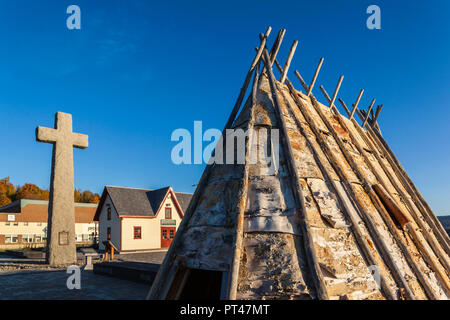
point(137, 70)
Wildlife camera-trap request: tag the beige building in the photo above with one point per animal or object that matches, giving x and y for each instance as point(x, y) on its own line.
point(140, 219)
point(23, 223)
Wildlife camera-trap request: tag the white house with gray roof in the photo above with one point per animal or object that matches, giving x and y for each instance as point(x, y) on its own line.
point(140, 219)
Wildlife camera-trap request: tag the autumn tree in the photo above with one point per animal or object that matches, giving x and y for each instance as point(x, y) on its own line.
point(4, 200)
point(77, 196)
point(31, 192)
point(86, 197)
point(7, 192)
point(95, 198)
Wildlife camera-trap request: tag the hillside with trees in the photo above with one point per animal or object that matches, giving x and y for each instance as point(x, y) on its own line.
point(9, 193)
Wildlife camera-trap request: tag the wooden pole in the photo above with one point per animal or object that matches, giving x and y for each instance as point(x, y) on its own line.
point(241, 96)
point(368, 220)
point(355, 106)
point(325, 93)
point(276, 46)
point(288, 61)
point(303, 83)
point(316, 74)
point(310, 251)
point(407, 225)
point(425, 283)
point(354, 226)
point(428, 213)
point(390, 204)
point(365, 136)
point(375, 235)
point(242, 202)
point(368, 113)
point(442, 237)
point(440, 234)
point(155, 290)
point(336, 92)
point(344, 106)
point(377, 113)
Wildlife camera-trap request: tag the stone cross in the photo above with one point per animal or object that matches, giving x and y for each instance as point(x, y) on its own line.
point(61, 248)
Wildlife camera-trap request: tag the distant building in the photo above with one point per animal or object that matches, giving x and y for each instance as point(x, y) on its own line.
point(445, 220)
point(23, 223)
point(140, 219)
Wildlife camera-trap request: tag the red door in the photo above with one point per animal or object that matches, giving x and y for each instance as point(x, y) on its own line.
point(167, 235)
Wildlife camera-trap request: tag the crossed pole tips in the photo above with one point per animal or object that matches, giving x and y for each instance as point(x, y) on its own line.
point(316, 74)
point(368, 113)
point(288, 61)
point(364, 116)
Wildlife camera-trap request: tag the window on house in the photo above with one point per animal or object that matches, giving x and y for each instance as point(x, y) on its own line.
point(137, 233)
point(172, 234)
point(38, 238)
point(109, 213)
point(7, 223)
point(39, 224)
point(164, 234)
point(108, 233)
point(25, 224)
point(168, 213)
point(27, 238)
point(11, 238)
point(15, 224)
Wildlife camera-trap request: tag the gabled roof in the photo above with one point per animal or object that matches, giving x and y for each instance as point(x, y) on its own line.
point(140, 202)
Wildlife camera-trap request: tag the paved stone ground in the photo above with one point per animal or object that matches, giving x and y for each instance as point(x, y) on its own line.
point(31, 279)
point(150, 257)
